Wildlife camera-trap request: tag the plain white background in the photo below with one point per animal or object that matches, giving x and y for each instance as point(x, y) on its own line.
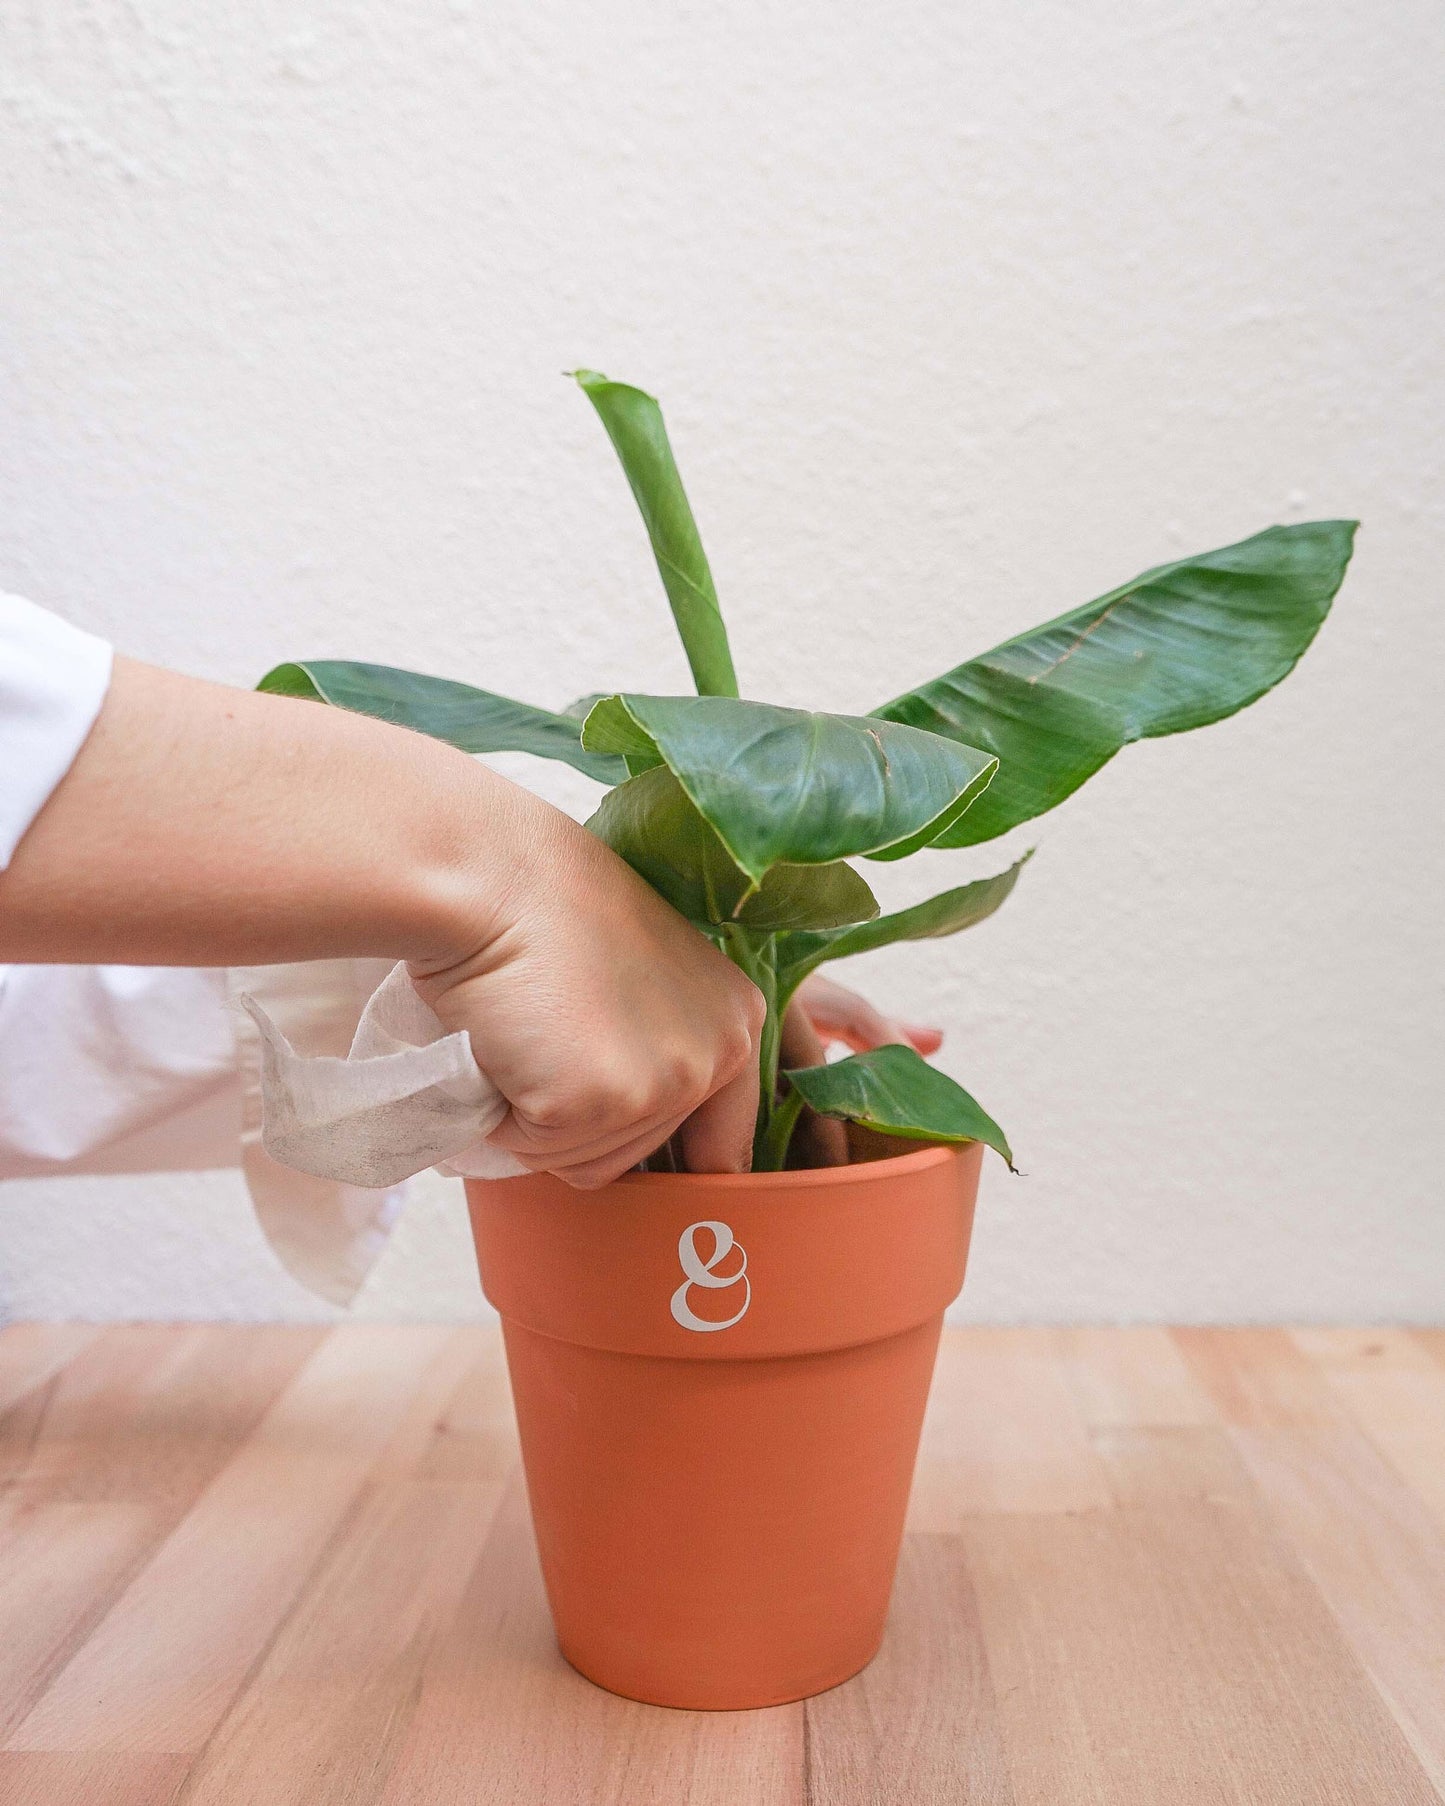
point(960, 315)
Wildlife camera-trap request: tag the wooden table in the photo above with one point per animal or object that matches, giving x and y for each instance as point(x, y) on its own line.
point(267, 1566)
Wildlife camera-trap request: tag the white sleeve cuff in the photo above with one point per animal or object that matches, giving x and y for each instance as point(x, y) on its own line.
point(53, 680)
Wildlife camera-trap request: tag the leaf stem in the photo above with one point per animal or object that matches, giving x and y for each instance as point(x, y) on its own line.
point(756, 954)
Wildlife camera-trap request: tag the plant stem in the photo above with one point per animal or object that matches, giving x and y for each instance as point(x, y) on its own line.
point(756, 955)
point(772, 1156)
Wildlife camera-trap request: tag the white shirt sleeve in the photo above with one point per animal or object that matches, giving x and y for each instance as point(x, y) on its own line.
point(124, 1069)
point(116, 1069)
point(102, 1068)
point(53, 679)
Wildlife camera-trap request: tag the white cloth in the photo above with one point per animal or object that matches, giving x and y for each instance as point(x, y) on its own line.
point(53, 679)
point(123, 1069)
point(326, 1232)
point(131, 1069)
point(408, 1095)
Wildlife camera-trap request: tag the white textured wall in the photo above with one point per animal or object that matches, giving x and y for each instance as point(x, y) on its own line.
point(961, 314)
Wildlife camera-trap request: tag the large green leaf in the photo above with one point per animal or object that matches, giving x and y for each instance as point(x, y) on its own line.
point(894, 1090)
point(474, 720)
point(634, 424)
point(1183, 645)
point(650, 823)
point(947, 913)
point(788, 786)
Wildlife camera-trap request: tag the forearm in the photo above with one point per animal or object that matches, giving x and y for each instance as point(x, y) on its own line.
point(201, 825)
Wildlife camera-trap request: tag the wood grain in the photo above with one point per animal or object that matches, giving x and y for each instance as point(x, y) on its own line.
point(1377, 1556)
point(58, 1435)
point(59, 1565)
point(503, 1719)
point(1371, 1544)
point(438, 1378)
point(31, 1354)
point(1395, 1392)
point(1132, 1378)
point(1004, 1432)
point(919, 1726)
point(276, 1566)
point(1261, 1379)
point(1360, 1349)
point(475, 1434)
point(321, 1719)
point(1169, 1466)
point(1156, 1657)
point(30, 1778)
point(159, 1670)
point(148, 1412)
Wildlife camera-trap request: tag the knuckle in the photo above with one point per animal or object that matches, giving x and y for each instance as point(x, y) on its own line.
point(735, 1051)
point(688, 1078)
point(544, 1111)
point(754, 1004)
point(619, 1098)
point(603, 1098)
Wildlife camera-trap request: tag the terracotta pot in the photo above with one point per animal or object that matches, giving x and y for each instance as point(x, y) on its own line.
point(719, 1382)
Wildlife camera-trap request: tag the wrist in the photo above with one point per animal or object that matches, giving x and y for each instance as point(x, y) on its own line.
point(491, 850)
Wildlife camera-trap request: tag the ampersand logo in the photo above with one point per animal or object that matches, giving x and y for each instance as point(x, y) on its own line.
point(700, 1272)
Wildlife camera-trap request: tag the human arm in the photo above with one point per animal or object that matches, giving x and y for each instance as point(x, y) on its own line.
point(210, 826)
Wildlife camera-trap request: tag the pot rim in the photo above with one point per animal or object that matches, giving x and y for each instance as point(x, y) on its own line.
point(838, 1256)
point(932, 1153)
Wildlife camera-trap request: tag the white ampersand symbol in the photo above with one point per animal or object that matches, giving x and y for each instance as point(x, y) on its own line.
point(701, 1272)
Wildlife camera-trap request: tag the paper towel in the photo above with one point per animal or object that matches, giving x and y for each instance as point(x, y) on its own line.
point(408, 1095)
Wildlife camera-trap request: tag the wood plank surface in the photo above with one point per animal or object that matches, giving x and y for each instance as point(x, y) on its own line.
point(148, 1412)
point(1131, 1379)
point(1370, 1542)
point(318, 1721)
point(1395, 1391)
point(920, 1723)
point(166, 1660)
point(1004, 1432)
point(502, 1718)
point(1175, 1654)
point(31, 1354)
point(59, 1564)
point(35, 1778)
point(1174, 1568)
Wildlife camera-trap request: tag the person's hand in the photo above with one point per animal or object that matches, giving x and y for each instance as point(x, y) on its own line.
point(823, 1014)
point(606, 1020)
point(201, 825)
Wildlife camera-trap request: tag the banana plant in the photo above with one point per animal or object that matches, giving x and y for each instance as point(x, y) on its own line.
point(747, 816)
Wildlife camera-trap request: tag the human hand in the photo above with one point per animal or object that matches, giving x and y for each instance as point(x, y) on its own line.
point(821, 1014)
point(833, 1013)
point(606, 1020)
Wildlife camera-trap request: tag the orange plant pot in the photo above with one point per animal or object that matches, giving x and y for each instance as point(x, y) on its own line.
point(719, 1382)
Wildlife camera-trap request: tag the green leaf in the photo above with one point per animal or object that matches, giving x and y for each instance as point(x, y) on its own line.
point(584, 705)
point(474, 720)
point(1183, 645)
point(947, 913)
point(651, 824)
point(894, 1090)
point(788, 786)
point(634, 424)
